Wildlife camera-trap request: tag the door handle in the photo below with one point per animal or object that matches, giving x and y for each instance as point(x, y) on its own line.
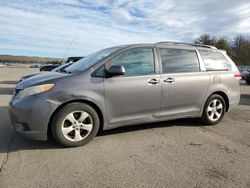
point(169, 80)
point(153, 81)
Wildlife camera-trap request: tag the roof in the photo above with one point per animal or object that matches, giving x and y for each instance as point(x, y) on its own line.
point(188, 44)
point(182, 44)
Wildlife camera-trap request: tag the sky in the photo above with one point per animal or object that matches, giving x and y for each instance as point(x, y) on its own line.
point(60, 28)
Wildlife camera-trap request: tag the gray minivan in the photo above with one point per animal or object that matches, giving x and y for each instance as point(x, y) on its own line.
point(126, 85)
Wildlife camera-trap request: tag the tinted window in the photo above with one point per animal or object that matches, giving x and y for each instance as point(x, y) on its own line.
point(179, 60)
point(137, 61)
point(214, 60)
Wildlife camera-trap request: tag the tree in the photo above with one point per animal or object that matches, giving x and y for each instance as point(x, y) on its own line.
point(241, 50)
point(206, 39)
point(223, 44)
point(238, 49)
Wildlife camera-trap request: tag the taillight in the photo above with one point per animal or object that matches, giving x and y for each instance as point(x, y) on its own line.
point(237, 75)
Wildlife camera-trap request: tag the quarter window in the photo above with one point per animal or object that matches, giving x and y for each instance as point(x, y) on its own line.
point(137, 61)
point(214, 60)
point(99, 72)
point(179, 60)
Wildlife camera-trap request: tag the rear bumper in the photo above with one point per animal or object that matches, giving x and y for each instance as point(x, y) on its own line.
point(234, 100)
point(30, 116)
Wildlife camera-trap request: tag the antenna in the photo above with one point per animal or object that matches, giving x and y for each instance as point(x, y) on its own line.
point(71, 42)
point(67, 49)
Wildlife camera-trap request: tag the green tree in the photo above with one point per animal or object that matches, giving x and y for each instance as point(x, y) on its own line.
point(238, 49)
point(206, 39)
point(223, 44)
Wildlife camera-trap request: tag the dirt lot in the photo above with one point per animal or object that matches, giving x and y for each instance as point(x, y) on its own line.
point(179, 153)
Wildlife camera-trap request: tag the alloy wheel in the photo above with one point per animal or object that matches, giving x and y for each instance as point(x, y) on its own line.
point(77, 125)
point(215, 110)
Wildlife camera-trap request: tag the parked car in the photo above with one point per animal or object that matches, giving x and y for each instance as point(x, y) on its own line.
point(125, 85)
point(50, 67)
point(245, 73)
point(35, 65)
point(58, 69)
point(2, 65)
point(247, 78)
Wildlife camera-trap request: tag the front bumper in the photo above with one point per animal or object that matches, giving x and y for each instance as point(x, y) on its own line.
point(30, 116)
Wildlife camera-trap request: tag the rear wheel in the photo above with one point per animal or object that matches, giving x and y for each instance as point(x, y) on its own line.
point(214, 110)
point(75, 124)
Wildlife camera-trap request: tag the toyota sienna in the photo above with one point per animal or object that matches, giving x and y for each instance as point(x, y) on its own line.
point(126, 85)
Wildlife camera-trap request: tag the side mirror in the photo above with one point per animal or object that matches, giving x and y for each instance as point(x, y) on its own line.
point(116, 70)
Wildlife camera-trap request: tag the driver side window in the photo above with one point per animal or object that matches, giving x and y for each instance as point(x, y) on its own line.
point(137, 61)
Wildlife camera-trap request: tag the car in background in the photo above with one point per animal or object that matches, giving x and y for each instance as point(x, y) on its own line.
point(245, 73)
point(67, 60)
point(35, 65)
point(2, 65)
point(247, 78)
point(49, 67)
point(58, 69)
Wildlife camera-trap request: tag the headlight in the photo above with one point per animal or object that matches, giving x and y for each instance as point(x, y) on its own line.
point(34, 90)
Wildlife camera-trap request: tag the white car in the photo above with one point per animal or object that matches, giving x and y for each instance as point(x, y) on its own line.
point(2, 65)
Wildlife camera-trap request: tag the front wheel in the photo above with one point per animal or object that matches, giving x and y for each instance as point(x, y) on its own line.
point(214, 110)
point(75, 124)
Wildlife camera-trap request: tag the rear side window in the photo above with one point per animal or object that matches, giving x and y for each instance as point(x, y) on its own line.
point(137, 61)
point(215, 60)
point(179, 60)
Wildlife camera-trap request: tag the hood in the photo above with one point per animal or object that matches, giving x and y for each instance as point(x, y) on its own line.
point(47, 77)
point(29, 75)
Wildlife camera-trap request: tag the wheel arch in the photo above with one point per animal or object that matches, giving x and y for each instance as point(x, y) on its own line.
point(224, 96)
point(91, 103)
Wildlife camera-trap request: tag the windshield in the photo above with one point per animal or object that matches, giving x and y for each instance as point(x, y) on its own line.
point(90, 60)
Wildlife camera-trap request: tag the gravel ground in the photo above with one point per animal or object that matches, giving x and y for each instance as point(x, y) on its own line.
point(179, 153)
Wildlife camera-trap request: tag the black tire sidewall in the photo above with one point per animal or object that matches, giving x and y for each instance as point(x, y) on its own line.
point(62, 113)
point(205, 117)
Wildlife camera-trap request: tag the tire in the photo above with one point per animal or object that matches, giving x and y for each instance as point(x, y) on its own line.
point(75, 124)
point(248, 82)
point(213, 113)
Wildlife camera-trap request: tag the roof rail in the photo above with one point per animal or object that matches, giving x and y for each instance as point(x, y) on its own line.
point(204, 45)
point(182, 43)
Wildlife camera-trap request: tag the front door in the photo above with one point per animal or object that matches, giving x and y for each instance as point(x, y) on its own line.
point(135, 96)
